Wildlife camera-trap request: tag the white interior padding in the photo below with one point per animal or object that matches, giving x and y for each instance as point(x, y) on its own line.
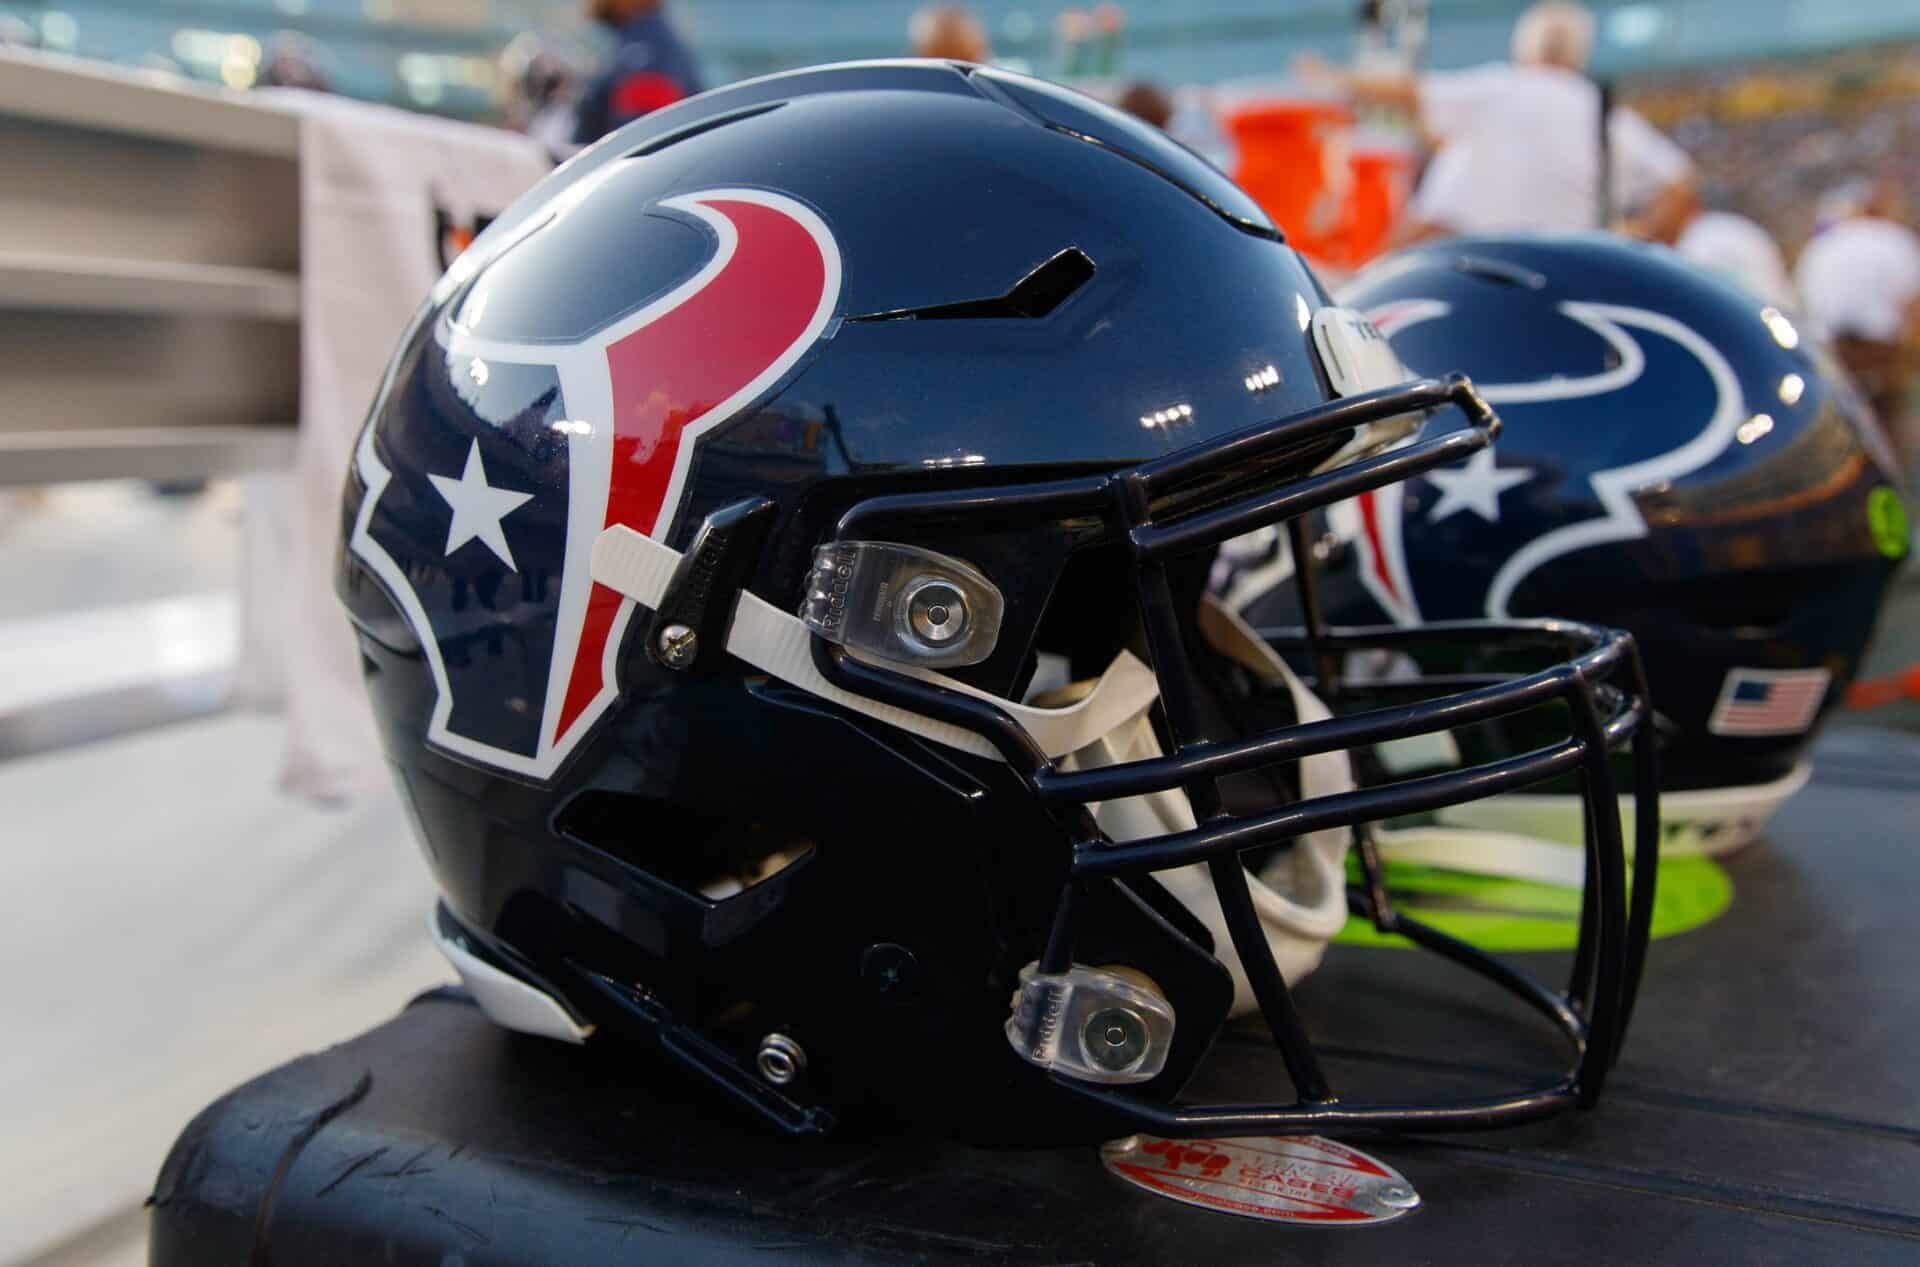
point(1301, 895)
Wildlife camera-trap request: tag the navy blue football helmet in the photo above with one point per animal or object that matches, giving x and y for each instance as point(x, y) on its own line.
point(779, 551)
point(1678, 460)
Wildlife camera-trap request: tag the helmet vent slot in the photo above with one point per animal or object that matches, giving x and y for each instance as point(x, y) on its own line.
point(674, 137)
point(1500, 272)
point(698, 865)
point(1034, 296)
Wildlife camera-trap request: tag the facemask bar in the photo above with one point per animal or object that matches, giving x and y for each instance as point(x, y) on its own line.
point(1135, 503)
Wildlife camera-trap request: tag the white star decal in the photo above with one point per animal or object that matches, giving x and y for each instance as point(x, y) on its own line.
point(1476, 486)
point(478, 507)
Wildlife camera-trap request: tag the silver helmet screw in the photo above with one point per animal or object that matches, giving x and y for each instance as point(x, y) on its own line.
point(937, 612)
point(678, 645)
point(1115, 1039)
point(780, 1059)
point(1398, 1196)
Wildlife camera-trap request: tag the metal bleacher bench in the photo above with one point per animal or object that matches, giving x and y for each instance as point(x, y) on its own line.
point(149, 276)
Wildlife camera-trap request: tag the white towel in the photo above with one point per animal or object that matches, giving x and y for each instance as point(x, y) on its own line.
point(377, 187)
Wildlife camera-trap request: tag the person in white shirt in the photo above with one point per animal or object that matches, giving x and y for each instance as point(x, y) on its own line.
point(1739, 250)
point(1860, 289)
point(1861, 276)
point(1441, 188)
point(1518, 143)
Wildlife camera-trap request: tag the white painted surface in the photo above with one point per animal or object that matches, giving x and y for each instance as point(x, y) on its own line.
point(85, 546)
point(72, 654)
point(171, 926)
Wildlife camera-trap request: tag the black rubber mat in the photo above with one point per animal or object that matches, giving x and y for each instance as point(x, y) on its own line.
point(1767, 1111)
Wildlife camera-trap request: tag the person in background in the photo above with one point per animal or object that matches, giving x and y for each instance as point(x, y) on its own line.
point(1087, 42)
point(17, 32)
point(540, 94)
point(1518, 143)
point(1148, 102)
point(1429, 212)
point(1859, 284)
point(294, 61)
point(949, 32)
point(651, 68)
point(1736, 248)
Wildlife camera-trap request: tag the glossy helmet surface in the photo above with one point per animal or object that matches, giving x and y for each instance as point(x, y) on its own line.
point(1678, 459)
point(779, 552)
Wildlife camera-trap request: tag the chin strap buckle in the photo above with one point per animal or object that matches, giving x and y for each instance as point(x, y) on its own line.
point(1093, 1024)
point(695, 613)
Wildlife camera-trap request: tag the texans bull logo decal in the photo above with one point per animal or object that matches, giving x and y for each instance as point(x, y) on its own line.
point(1689, 370)
point(590, 434)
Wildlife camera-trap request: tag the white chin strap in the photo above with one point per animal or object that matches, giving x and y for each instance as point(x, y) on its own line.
point(778, 644)
point(1301, 895)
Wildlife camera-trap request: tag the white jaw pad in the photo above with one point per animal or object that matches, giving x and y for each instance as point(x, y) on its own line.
point(508, 1001)
point(780, 645)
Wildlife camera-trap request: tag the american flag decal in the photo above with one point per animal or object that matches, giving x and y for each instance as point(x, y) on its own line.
point(1769, 701)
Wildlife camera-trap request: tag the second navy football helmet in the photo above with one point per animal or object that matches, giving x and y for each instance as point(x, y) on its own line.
point(1679, 459)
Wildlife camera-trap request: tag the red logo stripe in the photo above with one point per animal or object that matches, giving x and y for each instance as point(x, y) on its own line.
point(670, 373)
point(1376, 547)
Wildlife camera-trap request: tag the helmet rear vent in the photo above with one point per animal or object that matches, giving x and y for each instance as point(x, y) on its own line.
point(1034, 296)
point(674, 137)
point(1500, 272)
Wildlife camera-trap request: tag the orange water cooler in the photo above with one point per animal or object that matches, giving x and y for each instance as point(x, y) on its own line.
point(1293, 160)
point(1383, 172)
point(1336, 197)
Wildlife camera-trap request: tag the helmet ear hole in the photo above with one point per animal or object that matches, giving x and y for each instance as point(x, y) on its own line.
point(699, 868)
point(1092, 612)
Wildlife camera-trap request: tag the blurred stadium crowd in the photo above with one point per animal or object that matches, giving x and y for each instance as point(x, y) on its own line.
point(1746, 161)
point(1771, 140)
